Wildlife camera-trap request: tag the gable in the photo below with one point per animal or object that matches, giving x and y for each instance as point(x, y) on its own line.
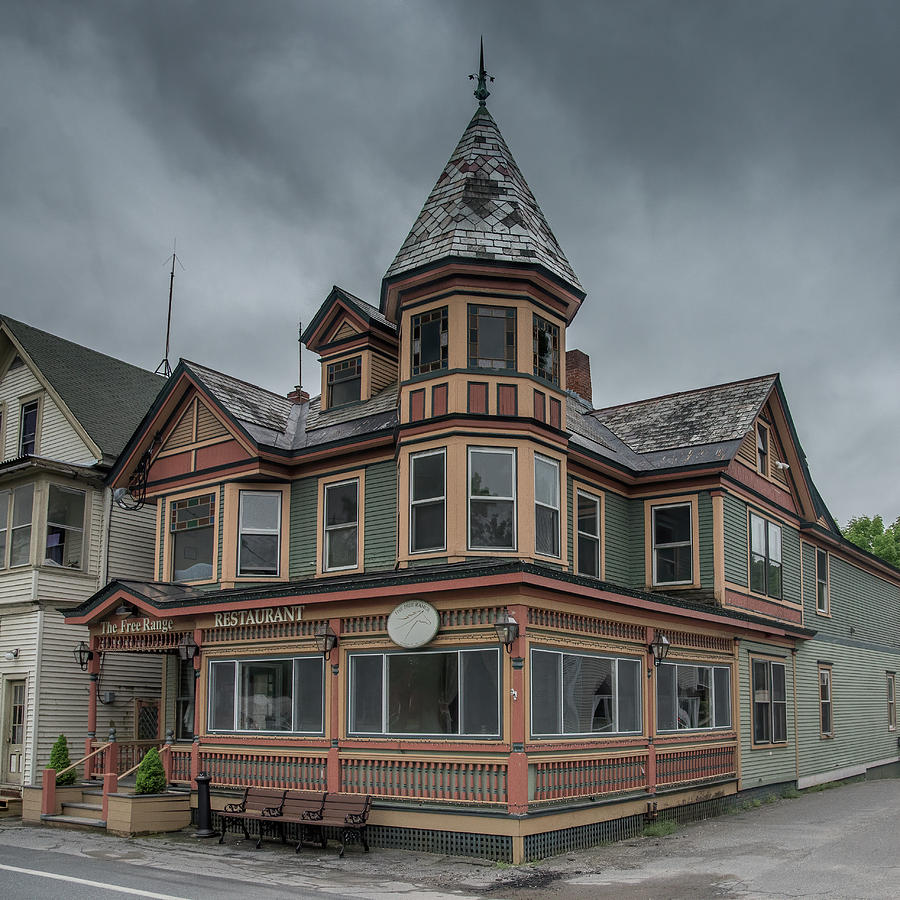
point(197, 425)
point(346, 329)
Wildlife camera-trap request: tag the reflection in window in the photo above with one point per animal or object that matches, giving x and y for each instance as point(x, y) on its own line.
point(20, 532)
point(453, 693)
point(427, 499)
point(672, 551)
point(762, 450)
point(822, 599)
point(588, 526)
point(769, 702)
point(184, 700)
point(429, 341)
point(492, 337)
point(546, 349)
point(344, 381)
point(693, 697)
point(546, 506)
point(192, 538)
point(584, 694)
point(65, 527)
point(341, 524)
point(492, 499)
point(260, 532)
point(279, 695)
point(765, 557)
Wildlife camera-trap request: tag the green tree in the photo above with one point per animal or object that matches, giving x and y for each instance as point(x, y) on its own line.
point(151, 777)
point(59, 760)
point(870, 534)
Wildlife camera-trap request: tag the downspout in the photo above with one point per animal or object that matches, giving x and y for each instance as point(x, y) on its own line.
point(36, 718)
point(796, 716)
point(103, 574)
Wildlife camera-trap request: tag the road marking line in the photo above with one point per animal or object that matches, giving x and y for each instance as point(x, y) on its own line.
point(106, 887)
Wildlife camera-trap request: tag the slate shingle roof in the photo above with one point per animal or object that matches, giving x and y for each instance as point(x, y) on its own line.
point(482, 208)
point(366, 309)
point(695, 418)
point(108, 397)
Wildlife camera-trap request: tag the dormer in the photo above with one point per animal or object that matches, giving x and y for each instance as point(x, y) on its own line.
point(357, 348)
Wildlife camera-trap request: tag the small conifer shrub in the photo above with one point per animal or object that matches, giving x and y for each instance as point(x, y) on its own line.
point(151, 777)
point(59, 760)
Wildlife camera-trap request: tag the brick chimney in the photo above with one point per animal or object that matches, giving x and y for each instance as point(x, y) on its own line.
point(578, 374)
point(298, 395)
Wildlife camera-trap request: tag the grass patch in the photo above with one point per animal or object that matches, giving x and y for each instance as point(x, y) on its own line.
point(790, 793)
point(772, 798)
point(755, 803)
point(662, 828)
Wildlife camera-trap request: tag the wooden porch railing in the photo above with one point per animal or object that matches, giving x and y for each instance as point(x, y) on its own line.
point(695, 764)
point(592, 776)
point(232, 767)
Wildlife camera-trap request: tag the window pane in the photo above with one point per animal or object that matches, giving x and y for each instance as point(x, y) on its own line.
point(221, 691)
point(491, 524)
point(4, 509)
point(308, 694)
point(546, 482)
point(774, 576)
point(340, 503)
point(545, 693)
point(761, 702)
point(666, 706)
point(546, 349)
point(365, 694)
point(693, 697)
point(65, 507)
point(491, 474)
point(774, 542)
point(588, 694)
point(423, 693)
point(192, 554)
point(672, 524)
point(629, 695)
point(345, 392)
point(491, 338)
point(779, 722)
point(259, 554)
point(427, 525)
point(674, 564)
point(428, 476)
point(588, 515)
point(28, 428)
point(480, 692)
point(265, 702)
point(546, 525)
point(588, 556)
point(260, 511)
point(722, 685)
point(20, 546)
point(758, 535)
point(340, 548)
point(758, 573)
point(23, 499)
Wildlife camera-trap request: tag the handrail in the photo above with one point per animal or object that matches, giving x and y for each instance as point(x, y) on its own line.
point(134, 768)
point(74, 765)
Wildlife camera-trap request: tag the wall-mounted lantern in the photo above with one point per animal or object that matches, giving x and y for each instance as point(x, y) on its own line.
point(83, 655)
point(659, 647)
point(325, 638)
point(507, 629)
point(187, 647)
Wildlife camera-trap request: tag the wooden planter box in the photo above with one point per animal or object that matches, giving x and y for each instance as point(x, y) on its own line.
point(32, 797)
point(129, 814)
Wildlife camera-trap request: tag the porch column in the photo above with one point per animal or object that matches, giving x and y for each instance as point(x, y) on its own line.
point(94, 676)
point(517, 772)
point(651, 710)
point(332, 670)
point(195, 744)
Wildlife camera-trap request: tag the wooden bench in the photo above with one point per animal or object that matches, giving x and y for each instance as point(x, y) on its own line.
point(346, 812)
point(300, 808)
point(259, 805)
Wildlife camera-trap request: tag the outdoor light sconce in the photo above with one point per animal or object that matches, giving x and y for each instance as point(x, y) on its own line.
point(325, 638)
point(126, 610)
point(659, 647)
point(83, 655)
point(11, 654)
point(507, 629)
point(187, 647)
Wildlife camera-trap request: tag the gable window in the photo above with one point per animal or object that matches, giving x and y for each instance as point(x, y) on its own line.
point(427, 501)
point(259, 539)
point(579, 693)
point(455, 692)
point(765, 557)
point(429, 341)
point(192, 537)
point(344, 381)
point(546, 349)
point(546, 506)
point(826, 722)
point(65, 527)
point(892, 701)
point(28, 428)
point(769, 702)
point(492, 498)
point(762, 449)
point(588, 526)
point(341, 525)
point(278, 695)
point(823, 600)
point(693, 697)
point(673, 556)
point(492, 337)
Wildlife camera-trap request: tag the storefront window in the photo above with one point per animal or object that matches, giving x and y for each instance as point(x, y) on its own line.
point(431, 693)
point(278, 695)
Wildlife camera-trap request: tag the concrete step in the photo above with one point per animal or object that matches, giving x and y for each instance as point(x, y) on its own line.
point(73, 822)
point(85, 810)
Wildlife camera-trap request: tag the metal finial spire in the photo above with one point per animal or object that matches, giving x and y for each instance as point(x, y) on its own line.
point(481, 91)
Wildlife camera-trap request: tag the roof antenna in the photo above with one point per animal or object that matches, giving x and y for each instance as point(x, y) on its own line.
point(164, 368)
point(481, 91)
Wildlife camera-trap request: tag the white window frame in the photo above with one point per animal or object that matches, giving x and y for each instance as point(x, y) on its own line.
point(598, 506)
point(891, 687)
point(36, 403)
point(548, 460)
point(828, 683)
point(328, 529)
point(12, 528)
point(385, 718)
point(511, 452)
point(712, 684)
point(687, 543)
point(766, 556)
point(825, 608)
point(242, 530)
point(441, 451)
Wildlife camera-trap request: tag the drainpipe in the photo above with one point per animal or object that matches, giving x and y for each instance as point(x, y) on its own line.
point(796, 717)
point(35, 717)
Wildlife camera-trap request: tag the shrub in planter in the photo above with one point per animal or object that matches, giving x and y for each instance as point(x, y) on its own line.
point(151, 777)
point(59, 760)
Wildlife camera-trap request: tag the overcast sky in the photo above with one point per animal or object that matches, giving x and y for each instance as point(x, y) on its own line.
point(724, 178)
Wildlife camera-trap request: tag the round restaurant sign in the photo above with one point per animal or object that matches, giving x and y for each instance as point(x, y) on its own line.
point(413, 624)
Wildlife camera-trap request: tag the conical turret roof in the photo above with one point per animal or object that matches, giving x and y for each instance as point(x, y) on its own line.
point(482, 208)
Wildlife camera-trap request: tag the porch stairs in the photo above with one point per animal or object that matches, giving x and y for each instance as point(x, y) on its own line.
point(86, 813)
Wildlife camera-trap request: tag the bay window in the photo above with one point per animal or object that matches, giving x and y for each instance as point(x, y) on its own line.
point(492, 498)
point(588, 528)
point(191, 524)
point(259, 533)
point(15, 525)
point(427, 501)
point(275, 694)
point(576, 693)
point(546, 506)
point(765, 557)
point(65, 527)
point(342, 525)
point(424, 693)
point(769, 702)
point(692, 697)
point(673, 553)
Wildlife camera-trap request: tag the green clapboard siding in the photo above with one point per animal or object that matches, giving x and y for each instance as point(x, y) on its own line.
point(638, 577)
point(862, 601)
point(304, 533)
point(790, 563)
point(735, 523)
point(808, 585)
point(773, 764)
point(381, 516)
point(705, 527)
point(623, 533)
point(570, 522)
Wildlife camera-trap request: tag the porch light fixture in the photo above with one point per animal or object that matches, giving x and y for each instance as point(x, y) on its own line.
point(83, 655)
point(659, 647)
point(325, 638)
point(126, 610)
point(507, 629)
point(11, 654)
point(187, 647)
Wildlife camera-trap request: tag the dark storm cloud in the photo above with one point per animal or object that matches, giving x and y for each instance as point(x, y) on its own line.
point(724, 177)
